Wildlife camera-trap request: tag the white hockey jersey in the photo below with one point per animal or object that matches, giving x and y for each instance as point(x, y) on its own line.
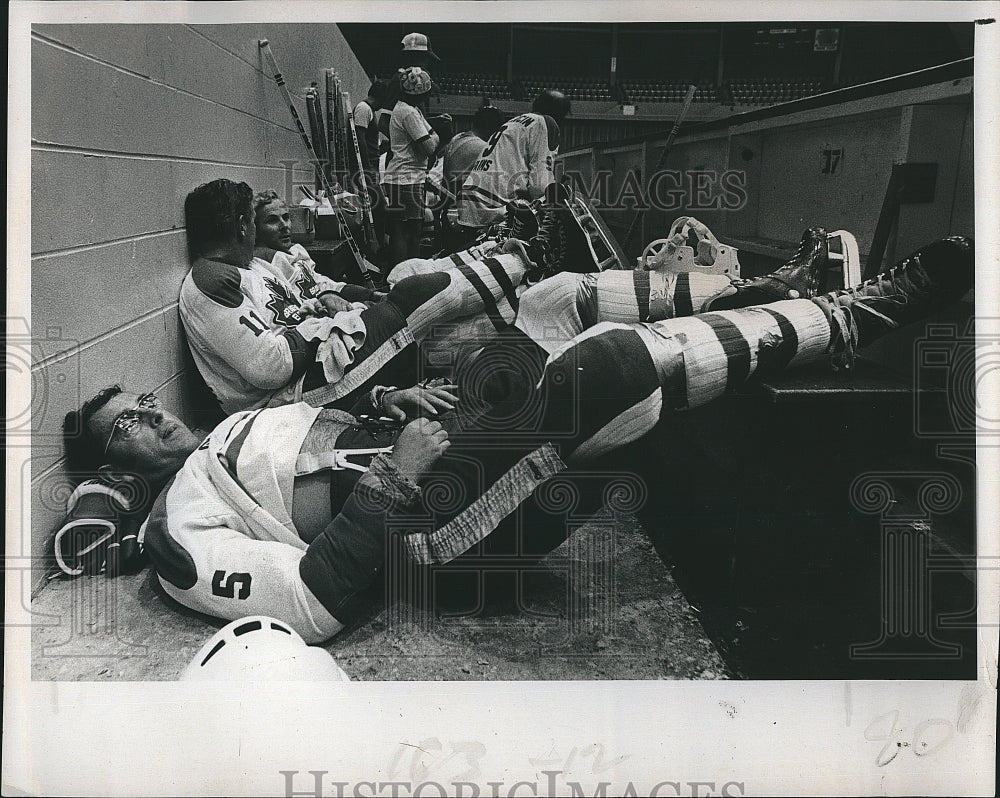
point(221, 538)
point(248, 337)
point(518, 157)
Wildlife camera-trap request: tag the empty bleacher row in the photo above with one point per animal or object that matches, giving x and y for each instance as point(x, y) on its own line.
point(595, 89)
point(658, 91)
point(474, 84)
point(495, 86)
point(769, 91)
point(745, 91)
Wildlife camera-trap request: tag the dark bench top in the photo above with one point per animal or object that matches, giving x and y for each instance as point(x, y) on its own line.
point(866, 379)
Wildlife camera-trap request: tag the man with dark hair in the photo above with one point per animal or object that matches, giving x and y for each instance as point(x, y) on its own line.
point(516, 163)
point(83, 458)
point(293, 512)
point(552, 102)
point(365, 125)
point(268, 331)
point(212, 214)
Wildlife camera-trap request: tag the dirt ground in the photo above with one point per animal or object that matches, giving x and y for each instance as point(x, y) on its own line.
point(601, 606)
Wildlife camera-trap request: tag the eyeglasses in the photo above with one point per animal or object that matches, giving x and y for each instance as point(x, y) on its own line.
point(127, 421)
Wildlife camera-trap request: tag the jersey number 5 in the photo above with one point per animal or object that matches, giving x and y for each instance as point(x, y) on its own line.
point(227, 589)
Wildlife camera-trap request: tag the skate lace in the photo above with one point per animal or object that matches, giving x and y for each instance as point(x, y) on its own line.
point(517, 227)
point(847, 302)
point(779, 276)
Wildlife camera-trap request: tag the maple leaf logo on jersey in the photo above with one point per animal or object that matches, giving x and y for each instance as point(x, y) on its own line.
point(305, 283)
point(282, 304)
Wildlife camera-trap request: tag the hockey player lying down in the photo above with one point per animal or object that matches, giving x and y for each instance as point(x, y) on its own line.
point(294, 511)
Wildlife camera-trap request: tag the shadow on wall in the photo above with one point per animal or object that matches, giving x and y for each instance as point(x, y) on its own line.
point(134, 117)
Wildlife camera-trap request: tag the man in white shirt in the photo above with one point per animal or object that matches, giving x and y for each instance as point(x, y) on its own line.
point(366, 126)
point(413, 143)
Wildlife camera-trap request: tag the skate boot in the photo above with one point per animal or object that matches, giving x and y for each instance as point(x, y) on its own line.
point(522, 219)
point(800, 278)
point(929, 279)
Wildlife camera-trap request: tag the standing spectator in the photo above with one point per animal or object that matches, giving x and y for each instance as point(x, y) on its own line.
point(366, 124)
point(417, 52)
point(413, 142)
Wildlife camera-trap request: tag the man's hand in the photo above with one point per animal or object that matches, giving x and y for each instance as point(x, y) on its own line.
point(312, 307)
point(407, 402)
point(334, 303)
point(418, 447)
point(444, 127)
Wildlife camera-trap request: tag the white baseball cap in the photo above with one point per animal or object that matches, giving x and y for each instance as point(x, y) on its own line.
point(417, 42)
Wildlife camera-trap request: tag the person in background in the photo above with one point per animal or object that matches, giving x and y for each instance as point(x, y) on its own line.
point(417, 52)
point(366, 124)
point(413, 143)
point(458, 158)
point(516, 164)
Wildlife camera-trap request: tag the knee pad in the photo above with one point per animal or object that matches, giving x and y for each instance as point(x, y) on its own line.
point(411, 292)
point(607, 380)
point(410, 267)
point(557, 309)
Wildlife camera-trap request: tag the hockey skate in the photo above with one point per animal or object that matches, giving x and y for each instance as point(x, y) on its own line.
point(803, 277)
point(937, 274)
point(692, 247)
point(521, 221)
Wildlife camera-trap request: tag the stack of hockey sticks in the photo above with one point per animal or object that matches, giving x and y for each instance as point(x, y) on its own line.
point(330, 187)
point(344, 140)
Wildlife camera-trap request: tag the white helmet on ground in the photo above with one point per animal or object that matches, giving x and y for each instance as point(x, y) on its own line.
point(259, 648)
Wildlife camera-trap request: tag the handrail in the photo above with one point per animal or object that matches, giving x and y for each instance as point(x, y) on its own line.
point(954, 70)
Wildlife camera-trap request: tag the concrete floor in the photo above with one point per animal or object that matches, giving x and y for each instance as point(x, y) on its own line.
point(601, 606)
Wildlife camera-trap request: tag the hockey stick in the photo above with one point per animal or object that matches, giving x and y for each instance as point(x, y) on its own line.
point(341, 123)
point(341, 219)
point(315, 111)
point(331, 129)
point(362, 177)
point(663, 156)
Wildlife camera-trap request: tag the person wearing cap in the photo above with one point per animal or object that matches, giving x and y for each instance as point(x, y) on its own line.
point(413, 143)
point(417, 52)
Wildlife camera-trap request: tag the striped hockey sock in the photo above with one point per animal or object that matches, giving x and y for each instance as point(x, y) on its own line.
point(475, 286)
point(620, 376)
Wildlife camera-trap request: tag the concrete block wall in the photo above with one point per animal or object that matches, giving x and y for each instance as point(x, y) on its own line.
point(126, 120)
point(786, 186)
